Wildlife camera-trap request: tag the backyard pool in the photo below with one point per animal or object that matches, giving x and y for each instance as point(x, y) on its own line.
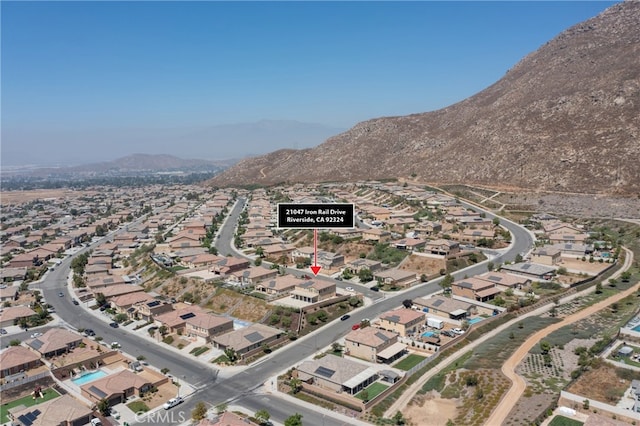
point(636, 328)
point(428, 334)
point(88, 377)
point(474, 320)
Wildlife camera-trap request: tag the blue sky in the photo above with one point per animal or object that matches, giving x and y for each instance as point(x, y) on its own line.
point(81, 73)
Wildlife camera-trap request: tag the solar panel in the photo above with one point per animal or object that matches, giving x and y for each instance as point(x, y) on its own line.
point(381, 336)
point(393, 318)
point(494, 278)
point(526, 266)
point(438, 302)
point(154, 303)
point(36, 344)
point(97, 391)
point(187, 316)
point(254, 337)
point(324, 372)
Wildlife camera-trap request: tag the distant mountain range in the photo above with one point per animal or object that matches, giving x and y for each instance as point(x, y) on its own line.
point(71, 147)
point(565, 118)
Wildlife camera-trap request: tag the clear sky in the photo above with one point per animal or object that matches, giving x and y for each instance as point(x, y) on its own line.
point(89, 72)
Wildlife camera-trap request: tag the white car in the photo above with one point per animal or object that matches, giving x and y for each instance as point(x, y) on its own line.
point(115, 345)
point(96, 422)
point(34, 335)
point(349, 289)
point(457, 330)
point(172, 402)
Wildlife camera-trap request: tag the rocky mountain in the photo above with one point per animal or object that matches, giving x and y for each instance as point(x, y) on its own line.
point(565, 118)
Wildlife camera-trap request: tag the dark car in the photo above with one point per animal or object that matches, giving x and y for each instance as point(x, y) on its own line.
point(345, 317)
point(447, 333)
point(89, 332)
point(75, 302)
point(375, 288)
point(113, 325)
point(104, 307)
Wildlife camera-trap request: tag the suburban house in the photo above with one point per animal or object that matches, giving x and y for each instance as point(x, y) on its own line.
point(546, 256)
point(199, 260)
point(278, 286)
point(475, 235)
point(252, 276)
point(311, 291)
point(427, 228)
point(347, 233)
point(54, 341)
point(409, 244)
point(402, 321)
point(247, 339)
point(116, 388)
point(574, 250)
point(124, 303)
point(228, 265)
point(375, 235)
point(337, 374)
point(475, 289)
point(17, 359)
point(13, 274)
point(530, 270)
point(228, 418)
point(396, 277)
point(325, 259)
point(556, 238)
point(13, 314)
point(148, 310)
point(9, 293)
point(504, 280)
point(62, 411)
point(278, 250)
point(442, 247)
point(357, 265)
point(374, 345)
point(207, 326)
point(175, 320)
point(476, 222)
point(446, 307)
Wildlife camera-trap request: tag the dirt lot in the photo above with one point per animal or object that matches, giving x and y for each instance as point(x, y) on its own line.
point(430, 409)
point(578, 265)
point(19, 197)
point(423, 265)
point(610, 385)
point(237, 305)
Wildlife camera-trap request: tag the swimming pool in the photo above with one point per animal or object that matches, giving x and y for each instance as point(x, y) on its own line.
point(89, 377)
point(636, 328)
point(428, 334)
point(474, 320)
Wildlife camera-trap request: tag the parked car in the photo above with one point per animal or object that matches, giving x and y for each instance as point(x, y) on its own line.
point(349, 289)
point(457, 330)
point(61, 294)
point(75, 302)
point(34, 335)
point(345, 317)
point(375, 288)
point(355, 326)
point(3, 331)
point(104, 307)
point(447, 333)
point(89, 332)
point(115, 345)
point(172, 402)
point(114, 413)
point(113, 325)
point(96, 422)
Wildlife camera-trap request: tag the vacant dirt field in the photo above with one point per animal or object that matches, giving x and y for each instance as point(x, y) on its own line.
point(237, 305)
point(19, 197)
point(423, 265)
point(610, 385)
point(587, 267)
point(430, 409)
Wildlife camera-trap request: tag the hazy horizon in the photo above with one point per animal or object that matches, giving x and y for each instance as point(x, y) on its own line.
point(94, 81)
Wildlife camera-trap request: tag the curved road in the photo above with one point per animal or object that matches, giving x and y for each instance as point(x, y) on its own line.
point(240, 388)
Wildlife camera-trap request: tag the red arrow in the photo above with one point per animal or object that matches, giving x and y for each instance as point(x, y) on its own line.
point(315, 268)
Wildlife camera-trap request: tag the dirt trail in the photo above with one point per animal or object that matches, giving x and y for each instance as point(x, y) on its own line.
point(500, 413)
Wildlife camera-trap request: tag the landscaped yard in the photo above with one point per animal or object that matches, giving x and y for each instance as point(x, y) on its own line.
point(138, 406)
point(199, 351)
point(27, 401)
point(409, 362)
point(564, 421)
point(372, 391)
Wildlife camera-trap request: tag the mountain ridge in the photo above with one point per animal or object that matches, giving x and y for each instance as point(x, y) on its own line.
point(564, 118)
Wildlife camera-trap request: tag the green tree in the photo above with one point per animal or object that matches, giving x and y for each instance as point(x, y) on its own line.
point(260, 251)
point(120, 318)
point(518, 258)
point(446, 281)
point(598, 288)
point(490, 266)
point(103, 407)
point(199, 411)
point(293, 420)
point(398, 418)
point(262, 416)
point(545, 346)
point(257, 262)
point(365, 275)
point(231, 354)
point(496, 221)
point(364, 395)
point(295, 384)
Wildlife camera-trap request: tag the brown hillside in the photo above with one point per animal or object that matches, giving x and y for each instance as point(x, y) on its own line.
point(565, 118)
